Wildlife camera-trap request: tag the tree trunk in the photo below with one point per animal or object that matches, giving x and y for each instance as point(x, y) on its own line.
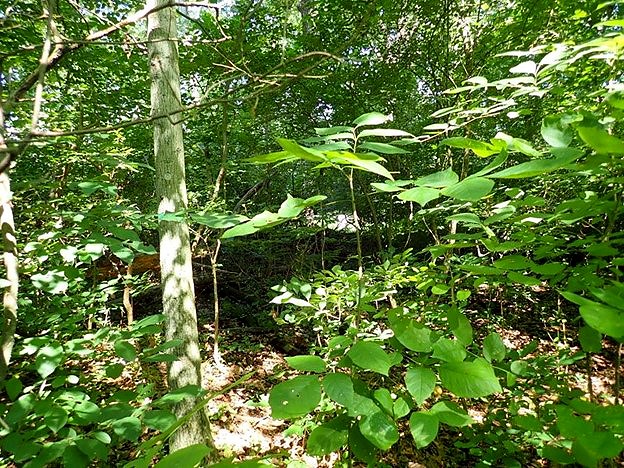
point(9, 315)
point(175, 250)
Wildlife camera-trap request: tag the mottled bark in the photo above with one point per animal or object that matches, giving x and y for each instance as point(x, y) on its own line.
point(175, 250)
point(9, 315)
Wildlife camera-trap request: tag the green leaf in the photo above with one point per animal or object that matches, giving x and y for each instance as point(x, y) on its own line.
point(460, 326)
point(328, 437)
point(469, 379)
point(363, 162)
point(391, 186)
point(449, 350)
point(125, 350)
point(600, 317)
point(384, 132)
point(271, 158)
point(370, 356)
point(128, 428)
point(74, 457)
point(361, 447)
point(481, 149)
point(383, 148)
point(424, 428)
point(92, 448)
point(13, 387)
point(420, 382)
point(384, 398)
point(601, 141)
point(86, 412)
point(185, 457)
point(340, 388)
point(520, 278)
point(160, 420)
point(52, 281)
point(556, 132)
point(219, 220)
point(55, 418)
point(372, 118)
point(307, 363)
point(593, 447)
point(296, 397)
point(420, 195)
point(438, 179)
point(494, 164)
point(308, 154)
point(379, 429)
point(451, 414)
point(49, 358)
point(333, 130)
point(538, 166)
point(514, 262)
point(493, 348)
point(410, 333)
point(470, 189)
point(591, 340)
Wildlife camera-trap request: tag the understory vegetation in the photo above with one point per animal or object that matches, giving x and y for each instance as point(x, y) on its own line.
point(406, 234)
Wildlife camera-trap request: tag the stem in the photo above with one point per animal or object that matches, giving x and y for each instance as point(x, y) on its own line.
point(215, 289)
point(358, 239)
point(618, 373)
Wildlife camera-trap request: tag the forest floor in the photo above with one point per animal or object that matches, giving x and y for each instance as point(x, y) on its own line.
point(242, 423)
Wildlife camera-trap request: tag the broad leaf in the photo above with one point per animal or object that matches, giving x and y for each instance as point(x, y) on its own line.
point(479, 148)
point(449, 350)
point(383, 148)
point(538, 166)
point(370, 356)
point(451, 414)
point(470, 189)
point(329, 436)
point(379, 429)
point(49, 357)
point(420, 195)
point(410, 333)
point(340, 388)
point(424, 428)
point(391, 186)
point(128, 428)
point(438, 179)
point(493, 348)
point(372, 118)
point(187, 456)
point(420, 382)
point(601, 141)
point(469, 379)
point(296, 397)
point(301, 152)
point(306, 363)
point(384, 132)
point(555, 132)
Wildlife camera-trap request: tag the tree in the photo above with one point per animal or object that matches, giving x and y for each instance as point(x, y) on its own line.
point(175, 250)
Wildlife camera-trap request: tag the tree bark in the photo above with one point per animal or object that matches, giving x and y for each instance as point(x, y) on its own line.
point(175, 250)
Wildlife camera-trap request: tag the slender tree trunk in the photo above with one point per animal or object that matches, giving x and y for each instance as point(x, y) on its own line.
point(175, 250)
point(9, 316)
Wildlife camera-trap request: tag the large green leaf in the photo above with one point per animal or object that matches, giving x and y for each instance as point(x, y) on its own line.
point(296, 397)
point(438, 179)
point(384, 132)
point(410, 333)
point(420, 195)
point(591, 448)
point(449, 350)
point(333, 130)
point(556, 132)
point(383, 148)
point(364, 162)
point(469, 379)
point(128, 428)
point(301, 152)
point(329, 436)
point(340, 388)
point(480, 148)
point(424, 428)
point(451, 414)
point(306, 363)
point(470, 189)
point(272, 158)
point(420, 382)
point(185, 457)
point(391, 186)
point(493, 348)
point(361, 447)
point(49, 357)
point(370, 356)
point(601, 141)
point(379, 429)
point(600, 317)
point(372, 118)
point(219, 220)
point(538, 166)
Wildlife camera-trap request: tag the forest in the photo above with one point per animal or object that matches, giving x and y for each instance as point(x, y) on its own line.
point(311, 233)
